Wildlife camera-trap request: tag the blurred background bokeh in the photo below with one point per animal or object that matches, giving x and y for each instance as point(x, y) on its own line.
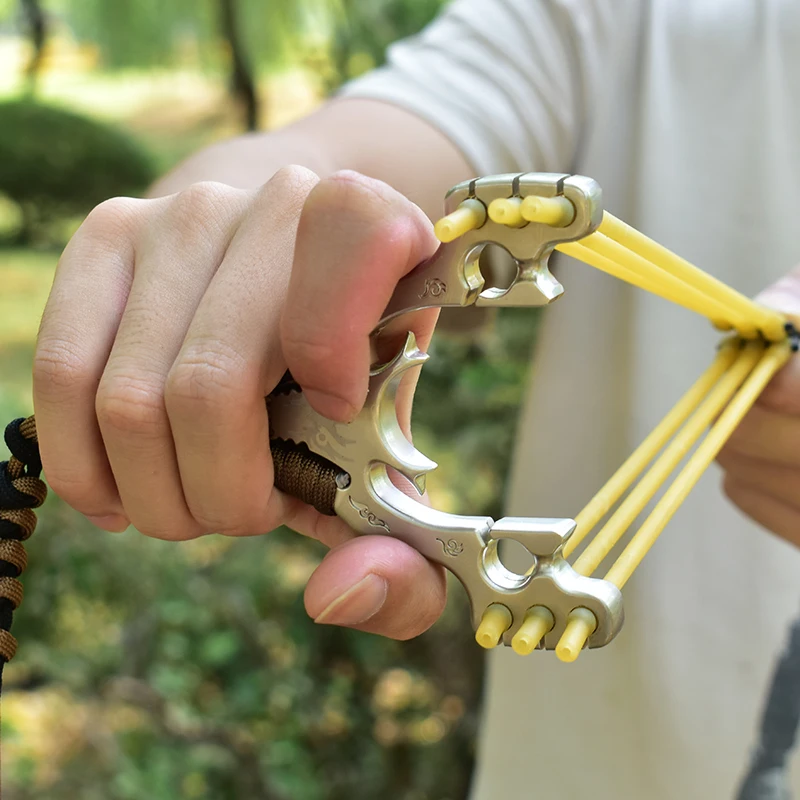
point(162, 671)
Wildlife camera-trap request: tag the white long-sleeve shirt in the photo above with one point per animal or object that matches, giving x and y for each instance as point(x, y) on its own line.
point(687, 112)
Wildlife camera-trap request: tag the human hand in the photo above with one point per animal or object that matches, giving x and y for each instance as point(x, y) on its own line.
point(168, 323)
point(762, 458)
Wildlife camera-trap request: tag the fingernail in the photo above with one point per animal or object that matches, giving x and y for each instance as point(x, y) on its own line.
point(114, 523)
point(330, 406)
point(358, 604)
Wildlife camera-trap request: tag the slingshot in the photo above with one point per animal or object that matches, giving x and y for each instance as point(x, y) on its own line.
point(556, 604)
point(343, 469)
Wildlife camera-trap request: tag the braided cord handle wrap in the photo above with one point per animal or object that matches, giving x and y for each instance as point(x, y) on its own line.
point(301, 473)
point(21, 490)
point(306, 475)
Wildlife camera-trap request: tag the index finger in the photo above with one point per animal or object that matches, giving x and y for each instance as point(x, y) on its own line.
point(356, 238)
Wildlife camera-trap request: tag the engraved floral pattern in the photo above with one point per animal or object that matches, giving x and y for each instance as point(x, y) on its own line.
point(434, 287)
point(451, 547)
point(366, 514)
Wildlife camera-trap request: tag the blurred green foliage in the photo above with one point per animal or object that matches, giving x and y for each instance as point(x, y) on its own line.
point(151, 33)
point(194, 671)
point(56, 164)
point(466, 407)
point(136, 33)
point(363, 29)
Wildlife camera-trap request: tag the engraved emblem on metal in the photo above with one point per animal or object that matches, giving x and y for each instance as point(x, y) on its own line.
point(434, 288)
point(451, 548)
point(366, 514)
point(328, 437)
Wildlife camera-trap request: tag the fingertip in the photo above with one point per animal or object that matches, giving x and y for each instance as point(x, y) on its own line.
point(113, 523)
point(330, 406)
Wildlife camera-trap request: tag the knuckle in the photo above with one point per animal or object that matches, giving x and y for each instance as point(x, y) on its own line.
point(783, 397)
point(727, 458)
point(113, 216)
point(202, 216)
point(131, 406)
point(109, 224)
point(58, 368)
point(206, 376)
point(293, 179)
point(386, 219)
point(204, 194)
point(286, 193)
point(353, 193)
point(199, 204)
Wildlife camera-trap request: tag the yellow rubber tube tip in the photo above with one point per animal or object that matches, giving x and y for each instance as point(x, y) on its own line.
point(581, 624)
point(556, 211)
point(538, 621)
point(506, 211)
point(496, 620)
point(469, 216)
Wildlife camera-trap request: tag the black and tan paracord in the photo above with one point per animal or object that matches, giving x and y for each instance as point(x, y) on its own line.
point(21, 490)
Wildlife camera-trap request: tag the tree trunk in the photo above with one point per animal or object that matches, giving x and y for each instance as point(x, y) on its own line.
point(242, 83)
point(37, 30)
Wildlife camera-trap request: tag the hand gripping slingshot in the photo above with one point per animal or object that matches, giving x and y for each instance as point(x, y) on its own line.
point(341, 469)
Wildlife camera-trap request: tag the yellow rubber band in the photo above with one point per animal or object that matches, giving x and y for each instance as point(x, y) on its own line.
point(622, 479)
point(773, 359)
point(769, 322)
point(642, 493)
point(668, 286)
point(649, 279)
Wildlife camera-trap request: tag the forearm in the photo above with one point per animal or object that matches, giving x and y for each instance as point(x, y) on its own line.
point(373, 138)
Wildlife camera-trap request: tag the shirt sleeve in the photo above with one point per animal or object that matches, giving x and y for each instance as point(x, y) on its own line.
point(512, 83)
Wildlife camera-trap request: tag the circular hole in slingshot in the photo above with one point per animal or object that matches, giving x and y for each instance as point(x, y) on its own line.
point(497, 266)
point(508, 564)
